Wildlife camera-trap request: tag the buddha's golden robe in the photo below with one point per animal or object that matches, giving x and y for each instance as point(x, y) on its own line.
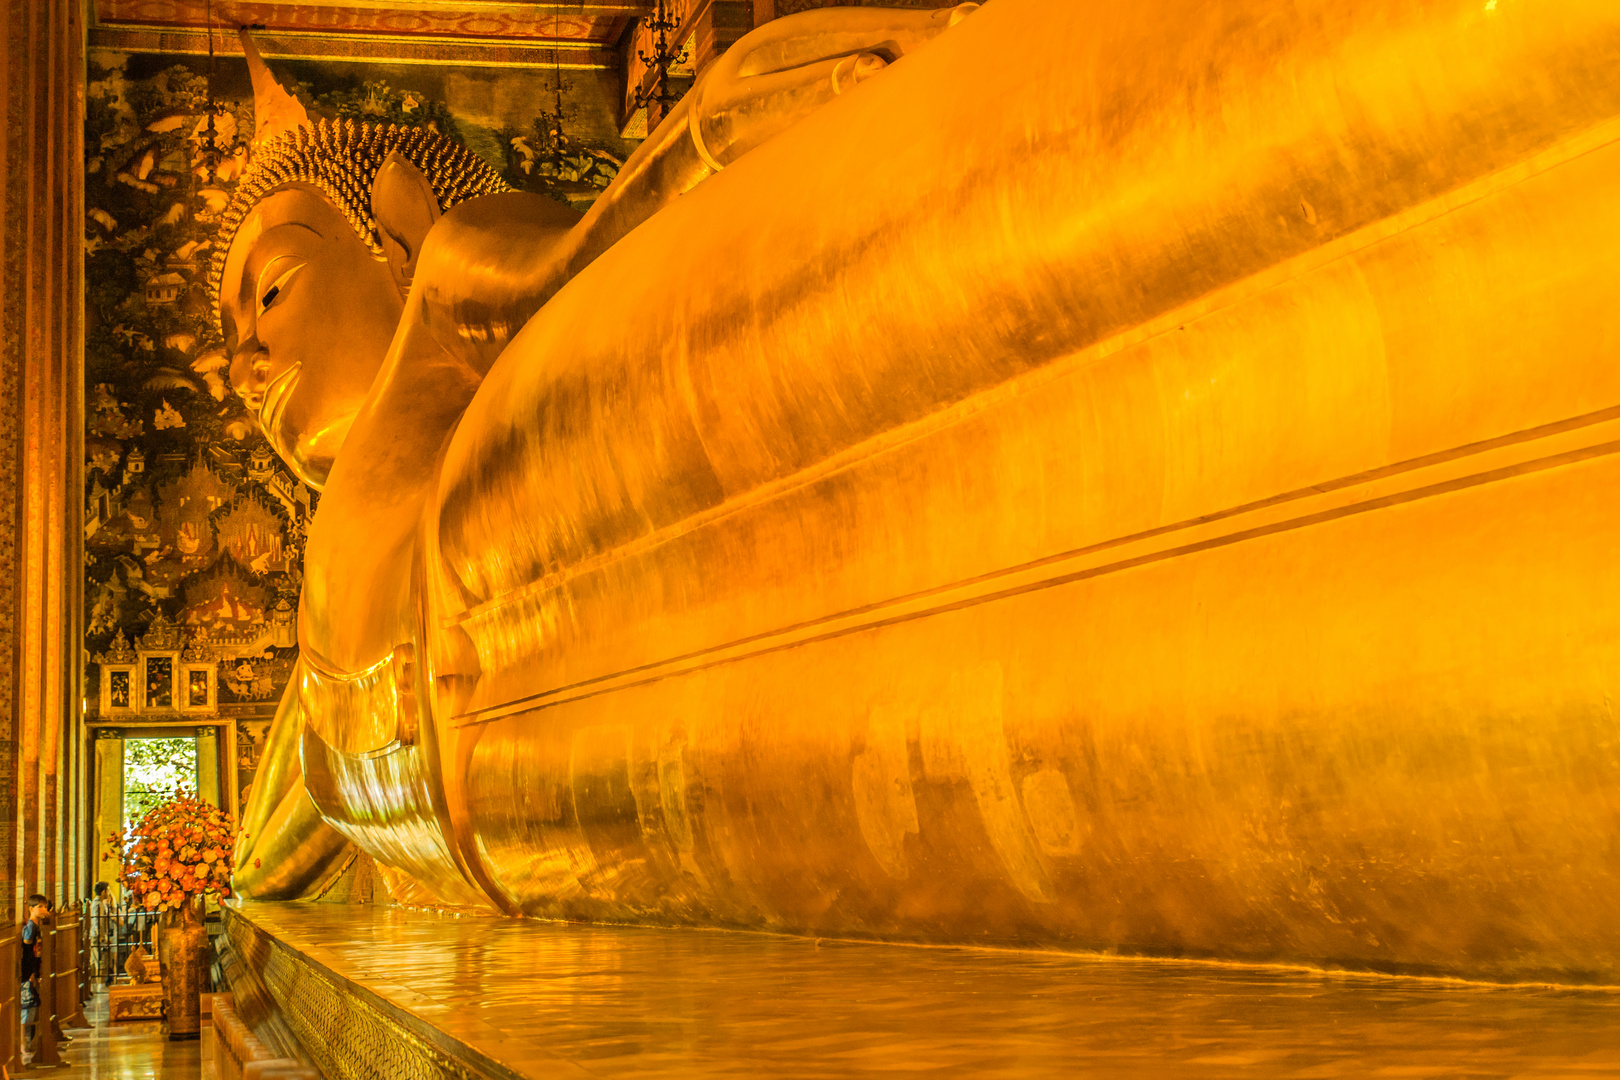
point(1132, 476)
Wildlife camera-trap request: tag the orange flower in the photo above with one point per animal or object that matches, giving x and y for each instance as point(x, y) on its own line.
point(178, 849)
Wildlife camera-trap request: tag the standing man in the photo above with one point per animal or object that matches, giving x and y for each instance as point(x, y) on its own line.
point(101, 932)
point(33, 934)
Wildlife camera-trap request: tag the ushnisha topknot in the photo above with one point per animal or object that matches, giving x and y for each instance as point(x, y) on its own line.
point(341, 159)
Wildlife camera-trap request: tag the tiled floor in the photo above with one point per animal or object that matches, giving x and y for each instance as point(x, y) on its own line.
point(557, 1000)
point(126, 1052)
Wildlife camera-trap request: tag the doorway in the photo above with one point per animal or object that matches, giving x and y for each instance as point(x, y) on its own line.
point(153, 767)
point(136, 767)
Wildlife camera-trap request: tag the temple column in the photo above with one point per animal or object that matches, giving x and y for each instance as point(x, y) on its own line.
point(716, 27)
point(109, 810)
point(208, 765)
point(41, 455)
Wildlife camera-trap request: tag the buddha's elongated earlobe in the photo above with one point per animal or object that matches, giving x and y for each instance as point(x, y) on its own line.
point(404, 207)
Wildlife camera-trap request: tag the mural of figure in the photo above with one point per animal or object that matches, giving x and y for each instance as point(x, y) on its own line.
point(197, 689)
point(159, 682)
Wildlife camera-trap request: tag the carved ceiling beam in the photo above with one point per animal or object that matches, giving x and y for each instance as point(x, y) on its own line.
point(601, 21)
point(376, 49)
point(229, 13)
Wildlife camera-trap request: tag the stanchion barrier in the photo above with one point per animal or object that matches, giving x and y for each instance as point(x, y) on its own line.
point(10, 985)
point(65, 935)
point(86, 932)
point(239, 1055)
point(112, 936)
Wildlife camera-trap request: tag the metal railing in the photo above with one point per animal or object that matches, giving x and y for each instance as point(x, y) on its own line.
point(110, 938)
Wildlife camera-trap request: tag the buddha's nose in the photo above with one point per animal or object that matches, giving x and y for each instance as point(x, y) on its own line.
point(250, 373)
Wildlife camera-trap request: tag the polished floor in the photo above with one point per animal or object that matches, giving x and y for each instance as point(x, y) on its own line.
point(127, 1052)
point(561, 1000)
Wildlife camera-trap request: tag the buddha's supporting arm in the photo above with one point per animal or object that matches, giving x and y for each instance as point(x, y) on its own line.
point(484, 268)
point(474, 281)
point(763, 85)
point(285, 850)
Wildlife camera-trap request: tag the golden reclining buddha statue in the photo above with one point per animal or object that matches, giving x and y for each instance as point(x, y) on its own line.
point(1128, 476)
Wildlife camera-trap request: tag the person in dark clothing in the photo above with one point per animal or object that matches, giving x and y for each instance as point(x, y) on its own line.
point(101, 932)
point(33, 936)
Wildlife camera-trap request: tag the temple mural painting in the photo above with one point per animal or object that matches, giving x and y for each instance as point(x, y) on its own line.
point(194, 531)
point(250, 737)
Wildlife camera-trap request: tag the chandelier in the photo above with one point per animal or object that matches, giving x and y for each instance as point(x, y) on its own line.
point(661, 59)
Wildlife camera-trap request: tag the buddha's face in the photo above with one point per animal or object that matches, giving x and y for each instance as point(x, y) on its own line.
point(308, 313)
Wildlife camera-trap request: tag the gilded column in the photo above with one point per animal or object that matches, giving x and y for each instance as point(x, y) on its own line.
point(41, 383)
point(109, 801)
point(208, 764)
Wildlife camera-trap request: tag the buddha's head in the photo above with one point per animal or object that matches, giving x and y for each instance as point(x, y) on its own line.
point(314, 258)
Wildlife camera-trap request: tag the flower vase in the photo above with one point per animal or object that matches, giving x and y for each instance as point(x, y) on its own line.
point(185, 963)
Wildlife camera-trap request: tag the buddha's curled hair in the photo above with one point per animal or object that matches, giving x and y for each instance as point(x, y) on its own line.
point(342, 158)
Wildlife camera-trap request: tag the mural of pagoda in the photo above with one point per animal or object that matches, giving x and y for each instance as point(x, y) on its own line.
point(255, 537)
point(227, 605)
point(184, 507)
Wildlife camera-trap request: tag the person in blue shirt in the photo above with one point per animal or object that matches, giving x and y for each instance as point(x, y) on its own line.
point(33, 934)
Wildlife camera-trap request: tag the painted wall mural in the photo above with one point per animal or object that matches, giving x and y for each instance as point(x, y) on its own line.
point(194, 531)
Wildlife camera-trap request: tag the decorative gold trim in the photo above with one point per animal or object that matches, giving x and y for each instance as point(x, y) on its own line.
point(346, 1034)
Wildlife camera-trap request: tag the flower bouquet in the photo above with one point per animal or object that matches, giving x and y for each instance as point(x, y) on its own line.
point(178, 853)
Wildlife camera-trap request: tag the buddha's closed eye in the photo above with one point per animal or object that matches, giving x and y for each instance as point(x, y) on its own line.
point(268, 294)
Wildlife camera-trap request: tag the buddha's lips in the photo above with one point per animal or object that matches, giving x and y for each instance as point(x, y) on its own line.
point(274, 400)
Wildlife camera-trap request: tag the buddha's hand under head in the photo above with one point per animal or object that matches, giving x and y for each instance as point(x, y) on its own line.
point(772, 79)
point(790, 67)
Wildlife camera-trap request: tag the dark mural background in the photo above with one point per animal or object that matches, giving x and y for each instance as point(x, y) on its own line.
point(194, 531)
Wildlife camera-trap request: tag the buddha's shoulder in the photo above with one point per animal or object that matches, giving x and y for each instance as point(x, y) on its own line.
point(486, 267)
point(497, 229)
